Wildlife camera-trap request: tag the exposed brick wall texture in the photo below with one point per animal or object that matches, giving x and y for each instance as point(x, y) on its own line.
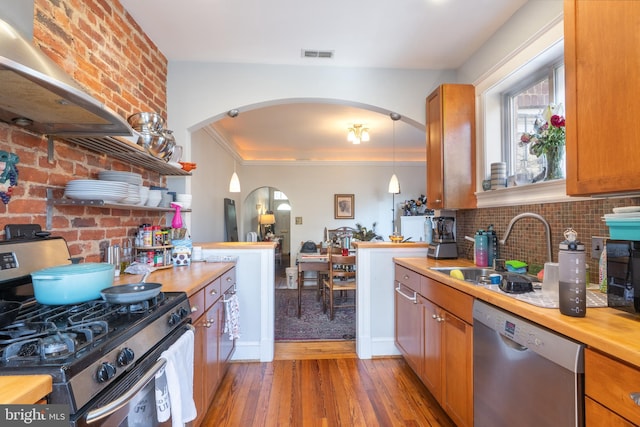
point(106, 52)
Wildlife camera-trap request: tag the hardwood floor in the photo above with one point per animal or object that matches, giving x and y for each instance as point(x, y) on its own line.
point(323, 384)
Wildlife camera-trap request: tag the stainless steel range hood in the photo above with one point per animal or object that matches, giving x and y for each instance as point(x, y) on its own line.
point(36, 94)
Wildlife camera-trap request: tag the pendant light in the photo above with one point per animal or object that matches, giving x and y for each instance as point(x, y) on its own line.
point(234, 184)
point(394, 184)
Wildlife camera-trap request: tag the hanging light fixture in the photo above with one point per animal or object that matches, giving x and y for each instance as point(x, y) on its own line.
point(394, 184)
point(234, 184)
point(358, 133)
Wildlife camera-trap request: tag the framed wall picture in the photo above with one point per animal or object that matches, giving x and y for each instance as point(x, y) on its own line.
point(344, 206)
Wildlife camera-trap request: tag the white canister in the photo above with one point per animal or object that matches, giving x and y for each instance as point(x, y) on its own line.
point(196, 253)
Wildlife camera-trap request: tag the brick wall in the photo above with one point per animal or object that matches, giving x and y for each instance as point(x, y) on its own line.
point(106, 52)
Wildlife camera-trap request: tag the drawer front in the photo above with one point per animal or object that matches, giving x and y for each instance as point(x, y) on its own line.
point(408, 277)
point(228, 279)
point(212, 292)
point(196, 301)
point(610, 383)
point(596, 415)
point(452, 300)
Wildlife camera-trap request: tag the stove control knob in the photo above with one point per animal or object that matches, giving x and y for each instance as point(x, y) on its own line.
point(183, 312)
point(125, 356)
point(106, 371)
point(174, 319)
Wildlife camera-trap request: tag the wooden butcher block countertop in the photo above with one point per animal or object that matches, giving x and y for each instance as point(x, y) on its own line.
point(24, 389)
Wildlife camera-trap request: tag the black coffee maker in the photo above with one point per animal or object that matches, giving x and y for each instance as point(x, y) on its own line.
point(443, 244)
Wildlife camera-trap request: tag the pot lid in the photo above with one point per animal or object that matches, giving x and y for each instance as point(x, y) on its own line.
point(89, 267)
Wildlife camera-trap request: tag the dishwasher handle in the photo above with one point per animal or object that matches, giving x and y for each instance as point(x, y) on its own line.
point(413, 299)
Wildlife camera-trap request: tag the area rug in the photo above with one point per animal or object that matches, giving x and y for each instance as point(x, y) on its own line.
point(313, 325)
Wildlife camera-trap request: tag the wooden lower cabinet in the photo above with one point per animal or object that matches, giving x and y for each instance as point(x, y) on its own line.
point(609, 384)
point(213, 349)
point(434, 333)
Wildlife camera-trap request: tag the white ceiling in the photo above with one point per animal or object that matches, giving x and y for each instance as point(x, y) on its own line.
point(398, 34)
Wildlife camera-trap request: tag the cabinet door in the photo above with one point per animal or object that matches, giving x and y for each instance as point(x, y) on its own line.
point(435, 174)
point(596, 415)
point(212, 354)
point(602, 57)
point(432, 366)
point(457, 351)
point(451, 147)
point(198, 367)
point(408, 331)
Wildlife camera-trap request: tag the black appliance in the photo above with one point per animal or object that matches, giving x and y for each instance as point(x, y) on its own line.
point(623, 275)
point(95, 351)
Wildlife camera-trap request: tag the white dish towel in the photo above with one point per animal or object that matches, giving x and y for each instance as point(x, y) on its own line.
point(179, 377)
point(232, 317)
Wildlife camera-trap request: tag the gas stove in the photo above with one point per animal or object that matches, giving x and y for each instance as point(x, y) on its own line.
point(90, 348)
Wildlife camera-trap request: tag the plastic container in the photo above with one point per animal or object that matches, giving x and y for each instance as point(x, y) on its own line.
point(572, 276)
point(428, 230)
point(481, 249)
point(623, 228)
point(292, 277)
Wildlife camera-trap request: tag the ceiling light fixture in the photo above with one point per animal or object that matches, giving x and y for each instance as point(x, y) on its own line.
point(234, 184)
point(358, 133)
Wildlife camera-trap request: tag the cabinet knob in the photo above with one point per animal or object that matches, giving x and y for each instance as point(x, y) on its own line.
point(635, 397)
point(406, 276)
point(213, 292)
point(194, 309)
point(228, 279)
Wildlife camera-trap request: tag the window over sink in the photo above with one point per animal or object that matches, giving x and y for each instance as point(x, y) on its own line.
point(503, 115)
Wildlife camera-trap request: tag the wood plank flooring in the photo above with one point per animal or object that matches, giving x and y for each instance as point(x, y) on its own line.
point(323, 384)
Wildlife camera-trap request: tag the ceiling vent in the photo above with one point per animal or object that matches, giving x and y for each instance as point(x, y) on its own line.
point(308, 53)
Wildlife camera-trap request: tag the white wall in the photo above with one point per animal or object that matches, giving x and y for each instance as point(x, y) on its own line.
point(200, 93)
point(310, 189)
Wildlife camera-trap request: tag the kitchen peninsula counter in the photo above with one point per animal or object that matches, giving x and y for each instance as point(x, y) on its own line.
point(610, 331)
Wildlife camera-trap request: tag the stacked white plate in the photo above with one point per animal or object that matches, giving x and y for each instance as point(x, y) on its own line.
point(133, 197)
point(128, 177)
point(91, 189)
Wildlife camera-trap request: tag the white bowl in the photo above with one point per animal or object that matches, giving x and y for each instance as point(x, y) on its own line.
point(183, 197)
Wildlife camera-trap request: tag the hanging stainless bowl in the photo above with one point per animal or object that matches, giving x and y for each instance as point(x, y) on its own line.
point(146, 122)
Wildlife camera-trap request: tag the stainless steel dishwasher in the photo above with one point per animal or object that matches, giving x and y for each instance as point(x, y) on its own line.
point(524, 374)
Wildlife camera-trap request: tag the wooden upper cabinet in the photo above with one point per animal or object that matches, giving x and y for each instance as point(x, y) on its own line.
point(602, 59)
point(451, 147)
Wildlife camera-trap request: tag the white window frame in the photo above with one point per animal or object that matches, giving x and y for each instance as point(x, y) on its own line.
point(539, 50)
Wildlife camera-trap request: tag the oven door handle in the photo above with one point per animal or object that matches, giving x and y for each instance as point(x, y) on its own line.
point(108, 409)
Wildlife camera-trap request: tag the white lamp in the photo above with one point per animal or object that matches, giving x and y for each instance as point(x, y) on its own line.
point(234, 184)
point(394, 184)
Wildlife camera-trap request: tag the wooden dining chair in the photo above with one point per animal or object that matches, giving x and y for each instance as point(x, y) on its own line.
point(341, 280)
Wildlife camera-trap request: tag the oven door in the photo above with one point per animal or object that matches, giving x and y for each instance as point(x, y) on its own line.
point(139, 399)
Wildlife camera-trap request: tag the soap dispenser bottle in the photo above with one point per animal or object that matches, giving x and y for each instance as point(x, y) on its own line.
point(176, 222)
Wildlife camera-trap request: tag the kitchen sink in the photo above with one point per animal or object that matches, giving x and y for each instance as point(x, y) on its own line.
point(477, 275)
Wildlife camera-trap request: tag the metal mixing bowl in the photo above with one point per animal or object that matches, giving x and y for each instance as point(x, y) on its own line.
point(146, 122)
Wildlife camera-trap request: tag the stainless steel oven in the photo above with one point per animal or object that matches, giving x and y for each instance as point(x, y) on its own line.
point(104, 358)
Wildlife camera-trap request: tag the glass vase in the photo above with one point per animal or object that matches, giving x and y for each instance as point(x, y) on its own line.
point(554, 158)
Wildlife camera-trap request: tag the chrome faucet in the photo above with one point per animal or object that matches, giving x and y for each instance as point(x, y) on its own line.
point(534, 216)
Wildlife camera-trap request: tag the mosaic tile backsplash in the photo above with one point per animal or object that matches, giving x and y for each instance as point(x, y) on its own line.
point(527, 241)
